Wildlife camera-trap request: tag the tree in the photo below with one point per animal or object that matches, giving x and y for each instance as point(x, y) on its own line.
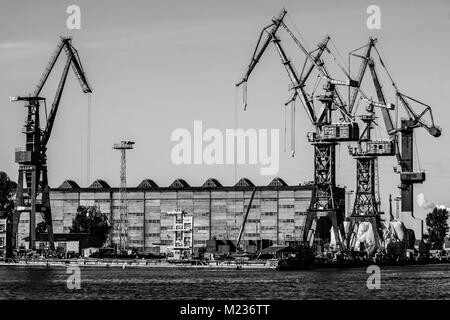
point(92, 221)
point(6, 189)
point(437, 227)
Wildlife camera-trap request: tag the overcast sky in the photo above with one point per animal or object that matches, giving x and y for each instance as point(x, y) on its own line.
point(156, 66)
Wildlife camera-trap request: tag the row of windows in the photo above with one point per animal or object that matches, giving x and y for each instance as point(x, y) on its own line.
point(153, 221)
point(287, 206)
point(202, 228)
point(201, 242)
point(135, 228)
point(136, 214)
point(268, 228)
point(252, 235)
point(253, 220)
point(152, 235)
point(271, 213)
point(136, 241)
point(287, 220)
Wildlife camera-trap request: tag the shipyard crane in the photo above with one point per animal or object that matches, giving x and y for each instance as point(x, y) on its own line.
point(32, 158)
point(327, 134)
point(368, 150)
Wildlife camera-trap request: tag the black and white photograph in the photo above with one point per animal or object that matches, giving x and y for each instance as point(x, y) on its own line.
point(227, 158)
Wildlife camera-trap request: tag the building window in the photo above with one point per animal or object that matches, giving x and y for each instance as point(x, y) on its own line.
point(268, 228)
point(300, 213)
point(2, 242)
point(135, 228)
point(152, 235)
point(153, 221)
point(251, 235)
point(287, 206)
point(136, 214)
point(202, 228)
point(253, 221)
point(269, 213)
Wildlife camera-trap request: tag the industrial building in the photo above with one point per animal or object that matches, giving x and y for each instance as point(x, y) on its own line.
point(277, 213)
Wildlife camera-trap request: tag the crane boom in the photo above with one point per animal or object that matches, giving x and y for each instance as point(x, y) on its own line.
point(257, 54)
point(245, 219)
point(361, 72)
point(49, 68)
point(52, 115)
point(295, 81)
point(384, 111)
point(74, 61)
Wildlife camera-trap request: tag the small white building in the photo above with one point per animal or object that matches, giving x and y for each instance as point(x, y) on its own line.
point(182, 230)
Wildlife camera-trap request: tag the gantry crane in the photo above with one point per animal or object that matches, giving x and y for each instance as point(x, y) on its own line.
point(327, 134)
point(32, 158)
point(367, 151)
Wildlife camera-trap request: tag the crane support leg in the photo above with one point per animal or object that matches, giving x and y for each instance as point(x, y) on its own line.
point(46, 208)
point(365, 208)
point(407, 166)
point(323, 202)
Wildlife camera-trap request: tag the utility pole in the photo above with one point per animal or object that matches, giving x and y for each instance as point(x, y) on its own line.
point(122, 227)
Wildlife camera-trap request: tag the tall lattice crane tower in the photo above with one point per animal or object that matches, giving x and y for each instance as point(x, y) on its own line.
point(121, 229)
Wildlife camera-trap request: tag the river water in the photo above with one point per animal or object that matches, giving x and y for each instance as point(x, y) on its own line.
point(401, 282)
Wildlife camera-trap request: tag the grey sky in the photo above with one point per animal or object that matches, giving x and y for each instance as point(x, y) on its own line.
point(159, 65)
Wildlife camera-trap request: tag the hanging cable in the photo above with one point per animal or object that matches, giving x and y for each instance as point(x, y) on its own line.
point(396, 111)
point(416, 150)
point(45, 107)
point(285, 125)
point(235, 126)
point(347, 72)
point(296, 30)
point(293, 128)
point(244, 95)
point(88, 141)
